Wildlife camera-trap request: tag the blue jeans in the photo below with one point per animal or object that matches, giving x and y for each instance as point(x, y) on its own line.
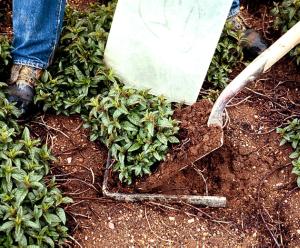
point(37, 26)
point(235, 8)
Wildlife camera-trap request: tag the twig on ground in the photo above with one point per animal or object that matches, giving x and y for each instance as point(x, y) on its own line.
point(73, 239)
point(76, 193)
point(261, 208)
point(43, 123)
point(78, 215)
point(74, 204)
point(95, 213)
point(210, 201)
point(210, 218)
point(238, 103)
point(71, 151)
point(79, 180)
point(92, 172)
point(199, 172)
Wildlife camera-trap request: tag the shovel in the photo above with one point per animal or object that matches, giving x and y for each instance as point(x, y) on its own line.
point(260, 65)
point(211, 127)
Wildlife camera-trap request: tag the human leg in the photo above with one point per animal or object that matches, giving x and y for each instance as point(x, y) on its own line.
point(235, 8)
point(37, 26)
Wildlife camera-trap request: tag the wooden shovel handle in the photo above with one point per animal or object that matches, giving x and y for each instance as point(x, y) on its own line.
point(260, 65)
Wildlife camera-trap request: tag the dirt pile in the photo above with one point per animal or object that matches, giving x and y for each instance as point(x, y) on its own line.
point(197, 140)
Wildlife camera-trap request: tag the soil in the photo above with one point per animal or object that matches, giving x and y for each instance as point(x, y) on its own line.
point(250, 169)
point(197, 140)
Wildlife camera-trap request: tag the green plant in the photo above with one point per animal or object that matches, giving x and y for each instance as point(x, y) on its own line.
point(227, 55)
point(79, 82)
point(79, 72)
point(287, 14)
point(30, 207)
point(4, 55)
point(135, 125)
point(291, 134)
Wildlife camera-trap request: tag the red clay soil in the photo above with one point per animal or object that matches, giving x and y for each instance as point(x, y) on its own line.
point(251, 170)
point(197, 140)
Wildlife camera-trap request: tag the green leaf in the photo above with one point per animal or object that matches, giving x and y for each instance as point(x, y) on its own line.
point(31, 224)
point(51, 218)
point(134, 147)
point(164, 122)
point(173, 140)
point(49, 241)
point(7, 226)
point(20, 195)
point(162, 138)
point(150, 128)
point(129, 126)
point(18, 233)
point(61, 214)
point(294, 155)
point(117, 113)
point(26, 134)
point(67, 200)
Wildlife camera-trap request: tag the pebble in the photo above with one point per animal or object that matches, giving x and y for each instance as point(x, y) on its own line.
point(111, 225)
point(172, 218)
point(69, 160)
point(191, 220)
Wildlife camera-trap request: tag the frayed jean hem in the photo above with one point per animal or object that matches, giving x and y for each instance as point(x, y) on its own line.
point(30, 63)
point(233, 12)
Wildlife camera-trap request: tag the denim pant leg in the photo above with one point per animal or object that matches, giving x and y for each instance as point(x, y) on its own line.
point(37, 26)
point(235, 8)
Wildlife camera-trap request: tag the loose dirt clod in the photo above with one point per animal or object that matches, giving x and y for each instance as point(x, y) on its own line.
point(197, 140)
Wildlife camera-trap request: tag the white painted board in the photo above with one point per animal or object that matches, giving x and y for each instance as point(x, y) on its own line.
point(165, 45)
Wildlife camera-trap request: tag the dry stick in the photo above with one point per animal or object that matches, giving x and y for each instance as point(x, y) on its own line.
point(76, 193)
point(285, 81)
point(90, 170)
point(50, 127)
point(70, 151)
point(102, 199)
point(207, 215)
point(78, 215)
point(95, 213)
point(270, 99)
point(210, 201)
point(79, 180)
point(258, 200)
point(166, 240)
point(227, 120)
point(199, 172)
point(77, 128)
point(74, 204)
point(238, 103)
point(70, 237)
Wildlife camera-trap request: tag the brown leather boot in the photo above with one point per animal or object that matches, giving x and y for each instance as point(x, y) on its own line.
point(21, 87)
point(252, 43)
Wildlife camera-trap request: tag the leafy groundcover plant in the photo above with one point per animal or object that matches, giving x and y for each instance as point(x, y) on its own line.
point(4, 54)
point(78, 72)
point(291, 135)
point(287, 14)
point(135, 125)
point(31, 213)
point(227, 55)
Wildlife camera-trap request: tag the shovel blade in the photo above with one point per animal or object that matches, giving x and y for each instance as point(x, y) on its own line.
point(197, 141)
point(165, 46)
